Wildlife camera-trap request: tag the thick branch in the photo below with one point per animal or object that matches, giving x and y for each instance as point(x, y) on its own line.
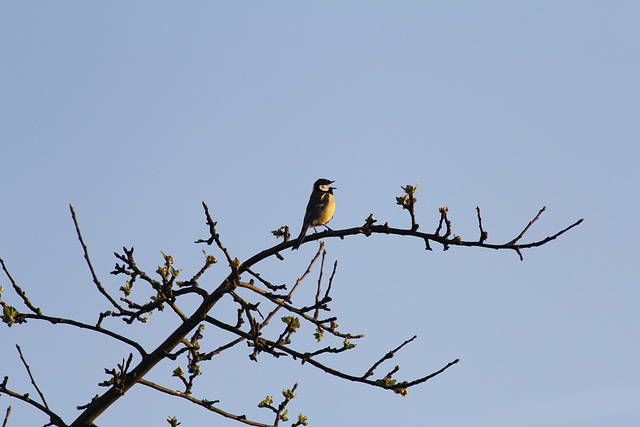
point(443, 240)
point(101, 403)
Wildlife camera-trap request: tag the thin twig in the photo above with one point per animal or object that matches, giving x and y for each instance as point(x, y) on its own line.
point(55, 419)
point(333, 273)
point(284, 403)
point(301, 312)
point(56, 320)
point(305, 358)
point(428, 377)
point(483, 234)
point(6, 417)
point(208, 404)
point(33, 381)
point(324, 255)
point(19, 290)
point(282, 303)
point(514, 241)
point(86, 257)
point(215, 237)
point(389, 355)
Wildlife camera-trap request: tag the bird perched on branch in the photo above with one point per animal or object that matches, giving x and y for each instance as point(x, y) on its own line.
point(320, 209)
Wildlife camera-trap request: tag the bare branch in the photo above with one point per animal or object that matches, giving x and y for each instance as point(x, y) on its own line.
point(19, 290)
point(207, 404)
point(124, 380)
point(33, 381)
point(86, 257)
point(428, 377)
point(306, 358)
point(443, 240)
point(514, 241)
point(281, 304)
point(324, 255)
point(214, 236)
point(56, 320)
point(6, 417)
point(54, 418)
point(483, 234)
point(389, 355)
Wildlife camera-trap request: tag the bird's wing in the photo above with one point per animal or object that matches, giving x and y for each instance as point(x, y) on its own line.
point(314, 209)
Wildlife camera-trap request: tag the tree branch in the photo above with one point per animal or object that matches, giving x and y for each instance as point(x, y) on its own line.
point(86, 257)
point(54, 418)
point(305, 358)
point(6, 417)
point(207, 404)
point(100, 329)
point(19, 290)
point(33, 381)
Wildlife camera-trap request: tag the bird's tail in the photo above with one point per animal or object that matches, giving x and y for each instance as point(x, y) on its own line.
point(301, 237)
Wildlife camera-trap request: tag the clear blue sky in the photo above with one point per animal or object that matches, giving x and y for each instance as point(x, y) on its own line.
point(135, 112)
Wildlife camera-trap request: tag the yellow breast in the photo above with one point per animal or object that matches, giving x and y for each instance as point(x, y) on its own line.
point(326, 213)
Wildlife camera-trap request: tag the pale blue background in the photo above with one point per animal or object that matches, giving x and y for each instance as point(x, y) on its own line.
point(135, 112)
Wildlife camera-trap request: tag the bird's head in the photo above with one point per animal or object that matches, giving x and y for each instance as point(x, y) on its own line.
point(324, 185)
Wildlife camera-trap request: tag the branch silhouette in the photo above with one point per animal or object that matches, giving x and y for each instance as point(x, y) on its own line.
point(260, 332)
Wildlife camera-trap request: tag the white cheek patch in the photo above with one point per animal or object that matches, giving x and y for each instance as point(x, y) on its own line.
point(324, 187)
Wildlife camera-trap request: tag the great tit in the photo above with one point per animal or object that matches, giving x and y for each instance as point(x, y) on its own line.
point(320, 209)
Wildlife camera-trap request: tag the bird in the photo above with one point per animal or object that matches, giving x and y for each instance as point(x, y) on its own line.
point(320, 208)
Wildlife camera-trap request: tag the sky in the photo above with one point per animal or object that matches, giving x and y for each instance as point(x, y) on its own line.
point(136, 112)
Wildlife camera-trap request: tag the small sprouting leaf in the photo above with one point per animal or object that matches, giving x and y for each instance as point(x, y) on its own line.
point(402, 201)
point(292, 321)
point(266, 402)
point(167, 258)
point(346, 344)
point(195, 370)
point(10, 315)
point(210, 258)
point(178, 372)
point(401, 391)
point(302, 420)
point(288, 394)
point(318, 334)
point(126, 289)
point(280, 232)
point(173, 421)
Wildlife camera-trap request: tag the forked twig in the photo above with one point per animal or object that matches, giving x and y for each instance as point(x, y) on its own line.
point(514, 241)
point(389, 355)
point(214, 236)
